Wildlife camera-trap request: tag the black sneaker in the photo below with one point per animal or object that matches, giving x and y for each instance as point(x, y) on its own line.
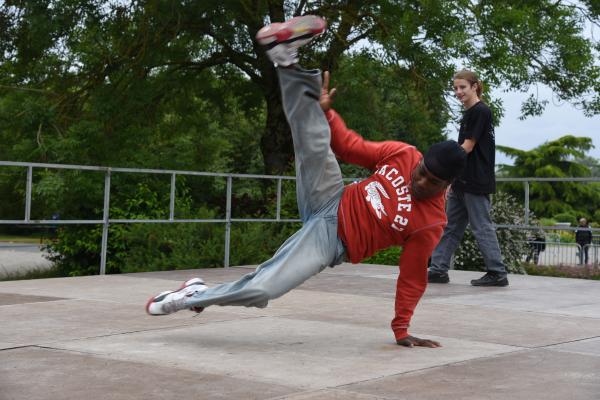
point(437, 277)
point(491, 279)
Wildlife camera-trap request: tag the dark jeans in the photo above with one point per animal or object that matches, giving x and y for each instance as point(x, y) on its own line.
point(584, 250)
point(463, 209)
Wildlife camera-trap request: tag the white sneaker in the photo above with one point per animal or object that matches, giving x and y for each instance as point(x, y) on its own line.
point(282, 39)
point(172, 301)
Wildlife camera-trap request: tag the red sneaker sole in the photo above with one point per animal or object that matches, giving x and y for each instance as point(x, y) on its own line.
point(287, 29)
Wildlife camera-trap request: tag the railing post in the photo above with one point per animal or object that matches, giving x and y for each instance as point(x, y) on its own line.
point(526, 220)
point(105, 219)
point(172, 198)
point(228, 222)
point(28, 193)
point(278, 215)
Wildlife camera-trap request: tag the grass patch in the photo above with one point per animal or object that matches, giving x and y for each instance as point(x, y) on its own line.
point(565, 271)
point(22, 239)
point(38, 273)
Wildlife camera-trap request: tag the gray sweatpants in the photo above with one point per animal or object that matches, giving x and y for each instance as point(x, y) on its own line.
point(319, 187)
point(462, 209)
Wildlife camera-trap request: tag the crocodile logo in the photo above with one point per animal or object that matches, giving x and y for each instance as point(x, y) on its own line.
point(374, 192)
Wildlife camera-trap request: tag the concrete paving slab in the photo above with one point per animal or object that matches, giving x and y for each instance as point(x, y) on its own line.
point(329, 394)
point(214, 275)
point(32, 324)
point(14, 298)
point(306, 354)
point(541, 299)
point(525, 293)
point(589, 310)
point(365, 286)
point(375, 281)
point(507, 327)
point(122, 289)
point(70, 376)
point(588, 347)
point(536, 374)
point(518, 281)
point(364, 270)
point(502, 326)
point(328, 339)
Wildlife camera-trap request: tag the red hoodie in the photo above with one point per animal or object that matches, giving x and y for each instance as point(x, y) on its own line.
point(380, 212)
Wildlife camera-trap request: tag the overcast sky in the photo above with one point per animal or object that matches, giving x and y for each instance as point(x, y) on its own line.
point(556, 121)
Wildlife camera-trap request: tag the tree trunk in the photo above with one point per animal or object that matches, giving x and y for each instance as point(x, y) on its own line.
point(276, 143)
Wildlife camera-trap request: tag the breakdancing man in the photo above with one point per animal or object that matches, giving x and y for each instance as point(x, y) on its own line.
point(402, 203)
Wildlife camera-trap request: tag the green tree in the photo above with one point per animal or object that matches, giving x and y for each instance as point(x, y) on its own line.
point(557, 159)
point(92, 61)
point(184, 85)
point(592, 163)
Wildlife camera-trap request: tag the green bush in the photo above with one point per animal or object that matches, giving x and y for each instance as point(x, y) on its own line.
point(505, 211)
point(76, 249)
point(547, 222)
point(389, 256)
point(566, 217)
point(566, 237)
point(156, 247)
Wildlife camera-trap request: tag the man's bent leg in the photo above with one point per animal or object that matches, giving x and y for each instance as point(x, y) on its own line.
point(319, 187)
point(303, 255)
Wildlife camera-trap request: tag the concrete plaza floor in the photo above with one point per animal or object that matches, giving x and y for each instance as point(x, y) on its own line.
point(89, 338)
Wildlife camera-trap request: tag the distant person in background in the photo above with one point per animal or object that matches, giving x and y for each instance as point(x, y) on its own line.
point(583, 237)
point(537, 244)
point(468, 200)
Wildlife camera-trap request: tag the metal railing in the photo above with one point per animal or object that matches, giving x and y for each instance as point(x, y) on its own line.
point(106, 221)
point(551, 253)
point(526, 188)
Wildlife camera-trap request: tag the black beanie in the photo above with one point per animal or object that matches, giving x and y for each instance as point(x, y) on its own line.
point(446, 160)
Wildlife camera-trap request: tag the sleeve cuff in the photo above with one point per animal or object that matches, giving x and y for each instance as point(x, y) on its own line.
point(401, 334)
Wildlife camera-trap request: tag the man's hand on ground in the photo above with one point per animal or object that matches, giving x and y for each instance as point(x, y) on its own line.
point(411, 341)
point(326, 97)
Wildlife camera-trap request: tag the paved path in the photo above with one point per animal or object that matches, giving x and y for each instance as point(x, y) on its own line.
point(88, 338)
point(17, 258)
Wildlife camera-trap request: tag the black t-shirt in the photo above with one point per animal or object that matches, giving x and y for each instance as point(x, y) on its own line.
point(583, 235)
point(479, 175)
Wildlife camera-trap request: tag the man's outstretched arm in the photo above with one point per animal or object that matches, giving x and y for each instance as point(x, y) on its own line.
point(412, 283)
